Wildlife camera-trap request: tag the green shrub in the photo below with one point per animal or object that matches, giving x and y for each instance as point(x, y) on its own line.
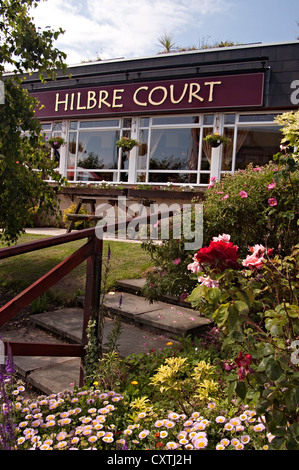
point(255, 204)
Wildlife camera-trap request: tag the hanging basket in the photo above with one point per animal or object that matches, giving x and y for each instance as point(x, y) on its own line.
point(215, 143)
point(56, 142)
point(216, 139)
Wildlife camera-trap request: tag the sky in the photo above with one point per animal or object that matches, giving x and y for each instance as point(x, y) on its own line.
point(111, 29)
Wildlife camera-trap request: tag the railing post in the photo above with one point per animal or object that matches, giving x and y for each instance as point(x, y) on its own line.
point(92, 293)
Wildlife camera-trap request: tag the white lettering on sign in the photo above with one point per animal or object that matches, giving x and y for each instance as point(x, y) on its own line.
point(143, 96)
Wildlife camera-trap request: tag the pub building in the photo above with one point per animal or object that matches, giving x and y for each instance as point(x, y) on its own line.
point(169, 103)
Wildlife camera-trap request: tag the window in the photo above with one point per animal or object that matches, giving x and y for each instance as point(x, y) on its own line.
point(171, 150)
point(53, 129)
point(92, 151)
point(253, 139)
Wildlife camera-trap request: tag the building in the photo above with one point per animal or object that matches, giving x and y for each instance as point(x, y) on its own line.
point(169, 103)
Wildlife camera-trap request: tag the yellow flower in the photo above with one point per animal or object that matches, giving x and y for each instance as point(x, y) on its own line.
point(96, 383)
point(169, 343)
point(134, 382)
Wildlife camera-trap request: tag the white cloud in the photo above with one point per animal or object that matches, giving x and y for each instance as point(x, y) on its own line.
point(121, 28)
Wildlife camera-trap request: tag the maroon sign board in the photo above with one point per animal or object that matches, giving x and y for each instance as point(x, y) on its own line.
point(195, 94)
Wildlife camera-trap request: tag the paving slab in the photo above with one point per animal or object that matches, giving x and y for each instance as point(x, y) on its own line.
point(68, 323)
point(160, 316)
point(56, 378)
point(135, 286)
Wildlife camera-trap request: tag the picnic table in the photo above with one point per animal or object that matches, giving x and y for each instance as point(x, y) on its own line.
point(92, 216)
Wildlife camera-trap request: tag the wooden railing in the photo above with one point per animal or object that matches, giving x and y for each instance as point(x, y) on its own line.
point(91, 252)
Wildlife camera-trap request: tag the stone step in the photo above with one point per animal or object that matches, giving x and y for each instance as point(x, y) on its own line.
point(135, 286)
point(162, 317)
point(54, 374)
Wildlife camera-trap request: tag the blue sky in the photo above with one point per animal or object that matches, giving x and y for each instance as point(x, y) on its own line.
point(131, 28)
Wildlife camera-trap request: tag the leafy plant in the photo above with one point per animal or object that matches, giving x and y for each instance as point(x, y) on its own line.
point(127, 144)
point(266, 195)
point(216, 138)
point(255, 304)
point(55, 142)
point(173, 378)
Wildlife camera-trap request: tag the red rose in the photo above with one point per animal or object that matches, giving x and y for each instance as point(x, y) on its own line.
point(219, 254)
point(244, 362)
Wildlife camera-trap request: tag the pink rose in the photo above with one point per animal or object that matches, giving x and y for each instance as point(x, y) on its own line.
point(258, 250)
point(207, 281)
point(224, 237)
point(194, 267)
point(253, 261)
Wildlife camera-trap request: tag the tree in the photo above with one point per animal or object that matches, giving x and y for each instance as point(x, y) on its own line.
point(24, 158)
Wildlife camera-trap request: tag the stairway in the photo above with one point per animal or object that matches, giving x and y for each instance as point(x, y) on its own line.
point(144, 327)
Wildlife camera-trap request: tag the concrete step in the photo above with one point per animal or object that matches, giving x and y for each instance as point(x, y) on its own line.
point(135, 286)
point(51, 375)
point(162, 317)
point(145, 327)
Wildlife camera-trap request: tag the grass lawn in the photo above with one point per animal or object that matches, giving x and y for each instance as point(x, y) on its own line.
point(128, 260)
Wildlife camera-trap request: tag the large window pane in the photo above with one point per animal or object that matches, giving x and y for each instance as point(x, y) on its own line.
point(174, 149)
point(256, 145)
point(97, 150)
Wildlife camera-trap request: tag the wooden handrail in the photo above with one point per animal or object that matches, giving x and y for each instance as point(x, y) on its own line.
point(90, 252)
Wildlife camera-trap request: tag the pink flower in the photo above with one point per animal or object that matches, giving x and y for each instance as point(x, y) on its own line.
point(253, 261)
point(224, 237)
point(272, 201)
point(271, 186)
point(194, 267)
point(243, 194)
point(207, 281)
point(224, 197)
point(177, 261)
point(212, 181)
point(258, 250)
point(258, 168)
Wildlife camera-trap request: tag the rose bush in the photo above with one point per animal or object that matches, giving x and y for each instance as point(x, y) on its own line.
point(255, 305)
point(258, 203)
